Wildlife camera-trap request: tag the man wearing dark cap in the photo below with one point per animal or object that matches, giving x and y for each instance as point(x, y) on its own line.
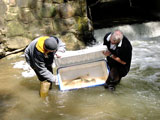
point(119, 55)
point(40, 55)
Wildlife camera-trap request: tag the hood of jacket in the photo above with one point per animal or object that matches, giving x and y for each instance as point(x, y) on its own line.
point(40, 44)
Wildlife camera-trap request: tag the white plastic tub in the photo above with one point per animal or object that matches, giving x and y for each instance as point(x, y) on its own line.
point(83, 75)
point(82, 68)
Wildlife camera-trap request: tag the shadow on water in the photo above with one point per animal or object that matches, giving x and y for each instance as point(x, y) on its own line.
point(5, 104)
point(30, 83)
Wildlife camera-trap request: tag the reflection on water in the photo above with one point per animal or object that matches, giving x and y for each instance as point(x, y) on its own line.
point(136, 98)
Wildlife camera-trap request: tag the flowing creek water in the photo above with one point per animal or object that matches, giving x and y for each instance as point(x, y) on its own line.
point(137, 97)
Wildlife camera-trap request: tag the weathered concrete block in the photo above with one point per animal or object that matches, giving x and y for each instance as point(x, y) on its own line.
point(10, 17)
point(12, 3)
point(48, 10)
point(45, 10)
point(72, 42)
point(66, 10)
point(24, 3)
point(14, 10)
point(14, 28)
point(82, 24)
point(57, 1)
point(17, 42)
point(3, 8)
point(2, 24)
point(25, 15)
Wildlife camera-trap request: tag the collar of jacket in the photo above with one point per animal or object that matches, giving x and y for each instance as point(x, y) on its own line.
point(40, 44)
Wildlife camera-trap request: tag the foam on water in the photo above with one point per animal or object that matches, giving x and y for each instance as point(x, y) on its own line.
point(135, 31)
point(146, 54)
point(28, 71)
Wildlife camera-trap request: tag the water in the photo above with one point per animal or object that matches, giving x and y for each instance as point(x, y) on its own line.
point(136, 98)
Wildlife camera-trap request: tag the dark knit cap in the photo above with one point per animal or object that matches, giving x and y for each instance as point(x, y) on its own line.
point(51, 43)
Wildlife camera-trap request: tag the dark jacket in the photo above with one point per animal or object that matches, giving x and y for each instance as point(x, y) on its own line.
point(124, 52)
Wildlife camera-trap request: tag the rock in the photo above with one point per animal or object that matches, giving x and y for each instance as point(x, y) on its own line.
point(25, 16)
point(18, 42)
point(45, 10)
point(14, 29)
point(3, 8)
point(72, 43)
point(66, 11)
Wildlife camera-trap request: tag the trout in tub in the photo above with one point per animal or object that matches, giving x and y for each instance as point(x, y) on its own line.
point(83, 80)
